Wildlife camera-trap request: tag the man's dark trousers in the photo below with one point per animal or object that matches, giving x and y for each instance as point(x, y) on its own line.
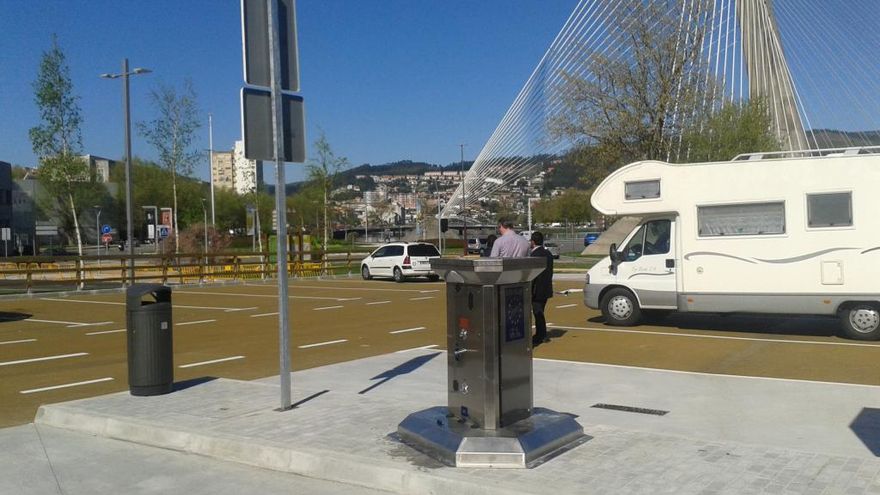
point(542, 289)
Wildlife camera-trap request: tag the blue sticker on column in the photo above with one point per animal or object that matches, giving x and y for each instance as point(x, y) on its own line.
point(464, 412)
point(514, 319)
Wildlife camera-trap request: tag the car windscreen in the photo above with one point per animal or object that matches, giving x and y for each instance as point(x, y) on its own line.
point(423, 250)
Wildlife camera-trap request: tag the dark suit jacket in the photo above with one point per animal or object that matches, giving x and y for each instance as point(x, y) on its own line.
point(542, 285)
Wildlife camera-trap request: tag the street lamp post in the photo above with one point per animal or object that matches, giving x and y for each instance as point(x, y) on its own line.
point(205, 222)
point(463, 202)
point(98, 230)
point(129, 229)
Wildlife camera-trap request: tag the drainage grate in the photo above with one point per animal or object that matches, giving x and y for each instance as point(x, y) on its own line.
point(641, 410)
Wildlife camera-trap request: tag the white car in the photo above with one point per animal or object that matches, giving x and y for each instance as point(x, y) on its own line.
point(401, 260)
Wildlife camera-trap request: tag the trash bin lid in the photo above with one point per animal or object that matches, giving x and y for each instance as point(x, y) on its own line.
point(136, 292)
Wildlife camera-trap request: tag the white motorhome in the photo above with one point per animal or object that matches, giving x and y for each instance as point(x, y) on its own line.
point(785, 233)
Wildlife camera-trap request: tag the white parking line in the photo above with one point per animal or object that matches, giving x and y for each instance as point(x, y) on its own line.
point(420, 298)
point(375, 289)
point(18, 341)
point(240, 294)
point(378, 302)
point(193, 322)
point(98, 324)
point(57, 322)
point(181, 306)
point(723, 337)
point(66, 385)
point(327, 307)
point(221, 360)
point(427, 291)
point(405, 330)
point(264, 314)
point(106, 331)
point(417, 348)
point(566, 306)
point(47, 358)
point(323, 343)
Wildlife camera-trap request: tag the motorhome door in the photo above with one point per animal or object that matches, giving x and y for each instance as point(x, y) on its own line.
point(648, 266)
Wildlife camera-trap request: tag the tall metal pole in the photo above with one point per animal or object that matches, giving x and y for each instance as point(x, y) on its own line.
point(280, 205)
point(128, 214)
point(211, 166)
point(98, 231)
point(463, 202)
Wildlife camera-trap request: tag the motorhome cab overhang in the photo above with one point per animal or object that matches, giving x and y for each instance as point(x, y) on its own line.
point(783, 233)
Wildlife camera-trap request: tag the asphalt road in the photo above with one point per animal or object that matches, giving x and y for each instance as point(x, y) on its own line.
point(56, 349)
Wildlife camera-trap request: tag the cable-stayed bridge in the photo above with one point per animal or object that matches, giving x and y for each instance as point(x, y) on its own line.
point(813, 62)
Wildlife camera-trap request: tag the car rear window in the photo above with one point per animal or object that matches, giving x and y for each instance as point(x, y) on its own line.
point(423, 250)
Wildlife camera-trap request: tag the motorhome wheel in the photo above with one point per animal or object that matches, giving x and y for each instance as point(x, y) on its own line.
point(620, 308)
point(861, 321)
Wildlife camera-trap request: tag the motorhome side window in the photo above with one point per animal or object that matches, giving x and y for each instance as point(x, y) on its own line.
point(643, 189)
point(741, 219)
point(651, 238)
point(829, 210)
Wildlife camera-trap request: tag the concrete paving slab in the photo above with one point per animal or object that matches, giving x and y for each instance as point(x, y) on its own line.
point(41, 460)
point(720, 435)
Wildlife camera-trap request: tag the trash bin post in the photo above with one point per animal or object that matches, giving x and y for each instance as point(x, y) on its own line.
point(150, 339)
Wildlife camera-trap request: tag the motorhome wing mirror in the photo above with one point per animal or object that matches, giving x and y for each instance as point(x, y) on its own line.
point(612, 251)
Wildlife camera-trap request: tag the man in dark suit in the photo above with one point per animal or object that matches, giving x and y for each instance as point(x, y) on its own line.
point(542, 289)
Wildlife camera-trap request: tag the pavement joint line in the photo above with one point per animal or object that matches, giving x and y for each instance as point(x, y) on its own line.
point(723, 337)
point(703, 373)
point(405, 330)
point(417, 348)
point(18, 341)
point(323, 343)
point(213, 361)
point(193, 322)
point(264, 314)
point(377, 302)
point(66, 385)
point(106, 331)
point(327, 307)
point(420, 298)
point(47, 358)
point(566, 306)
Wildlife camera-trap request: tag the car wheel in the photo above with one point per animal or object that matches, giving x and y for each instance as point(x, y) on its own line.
point(433, 278)
point(620, 308)
point(861, 321)
point(365, 273)
point(398, 275)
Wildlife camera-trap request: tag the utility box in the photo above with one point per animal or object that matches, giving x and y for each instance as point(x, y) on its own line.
point(489, 420)
point(150, 344)
point(489, 338)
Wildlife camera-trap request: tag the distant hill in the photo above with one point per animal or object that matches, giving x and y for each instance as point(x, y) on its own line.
point(403, 167)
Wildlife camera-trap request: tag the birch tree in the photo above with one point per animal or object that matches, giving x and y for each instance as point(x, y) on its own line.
point(323, 170)
point(172, 133)
point(57, 140)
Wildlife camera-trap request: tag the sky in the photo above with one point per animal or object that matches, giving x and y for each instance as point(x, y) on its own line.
point(385, 80)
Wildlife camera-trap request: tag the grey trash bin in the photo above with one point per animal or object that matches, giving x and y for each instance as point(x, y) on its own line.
point(150, 350)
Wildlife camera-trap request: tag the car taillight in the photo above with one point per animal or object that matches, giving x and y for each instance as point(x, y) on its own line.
point(406, 260)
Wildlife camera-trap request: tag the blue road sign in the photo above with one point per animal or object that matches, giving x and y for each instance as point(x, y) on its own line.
point(163, 232)
point(105, 229)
